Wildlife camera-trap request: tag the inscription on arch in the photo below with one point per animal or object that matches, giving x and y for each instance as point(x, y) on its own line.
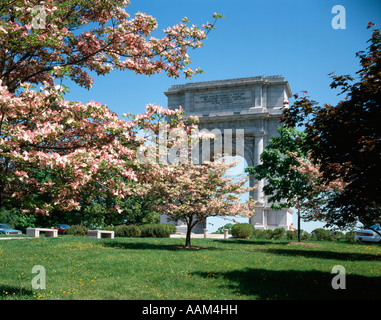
point(222, 99)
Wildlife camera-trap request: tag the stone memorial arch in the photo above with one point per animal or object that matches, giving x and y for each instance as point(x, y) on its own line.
point(247, 108)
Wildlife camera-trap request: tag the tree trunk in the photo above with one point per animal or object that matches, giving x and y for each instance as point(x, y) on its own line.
point(188, 236)
point(299, 231)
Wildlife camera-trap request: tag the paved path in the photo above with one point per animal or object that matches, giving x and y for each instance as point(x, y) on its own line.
point(200, 235)
point(9, 238)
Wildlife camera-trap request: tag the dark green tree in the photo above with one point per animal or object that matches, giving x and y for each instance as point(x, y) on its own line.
point(346, 138)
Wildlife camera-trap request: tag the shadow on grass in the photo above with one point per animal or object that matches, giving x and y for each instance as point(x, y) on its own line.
point(323, 254)
point(297, 285)
point(14, 292)
point(297, 250)
point(277, 248)
point(248, 241)
point(151, 245)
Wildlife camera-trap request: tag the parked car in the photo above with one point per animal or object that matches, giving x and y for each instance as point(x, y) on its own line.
point(62, 228)
point(371, 234)
point(7, 229)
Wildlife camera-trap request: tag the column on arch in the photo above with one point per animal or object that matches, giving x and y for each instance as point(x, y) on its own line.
point(258, 149)
point(254, 145)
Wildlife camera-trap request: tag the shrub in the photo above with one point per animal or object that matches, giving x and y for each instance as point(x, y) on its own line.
point(267, 234)
point(77, 230)
point(108, 228)
point(156, 230)
point(243, 230)
point(337, 235)
point(350, 236)
point(172, 228)
point(131, 231)
point(305, 235)
point(322, 234)
point(278, 233)
point(258, 233)
point(292, 234)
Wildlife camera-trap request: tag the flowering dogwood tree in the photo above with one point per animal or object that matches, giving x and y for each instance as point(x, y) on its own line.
point(76, 144)
point(110, 39)
point(191, 192)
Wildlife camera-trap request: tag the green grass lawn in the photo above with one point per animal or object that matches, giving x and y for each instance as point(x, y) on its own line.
point(151, 268)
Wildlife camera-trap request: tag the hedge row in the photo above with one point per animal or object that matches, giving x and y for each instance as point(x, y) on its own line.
point(247, 230)
point(239, 230)
point(160, 230)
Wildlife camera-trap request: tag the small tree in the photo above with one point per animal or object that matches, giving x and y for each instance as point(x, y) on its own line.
point(292, 180)
point(193, 192)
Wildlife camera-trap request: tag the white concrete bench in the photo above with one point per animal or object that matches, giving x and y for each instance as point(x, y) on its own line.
point(35, 232)
point(100, 234)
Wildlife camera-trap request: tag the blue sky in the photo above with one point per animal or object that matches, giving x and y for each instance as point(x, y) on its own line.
point(293, 38)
